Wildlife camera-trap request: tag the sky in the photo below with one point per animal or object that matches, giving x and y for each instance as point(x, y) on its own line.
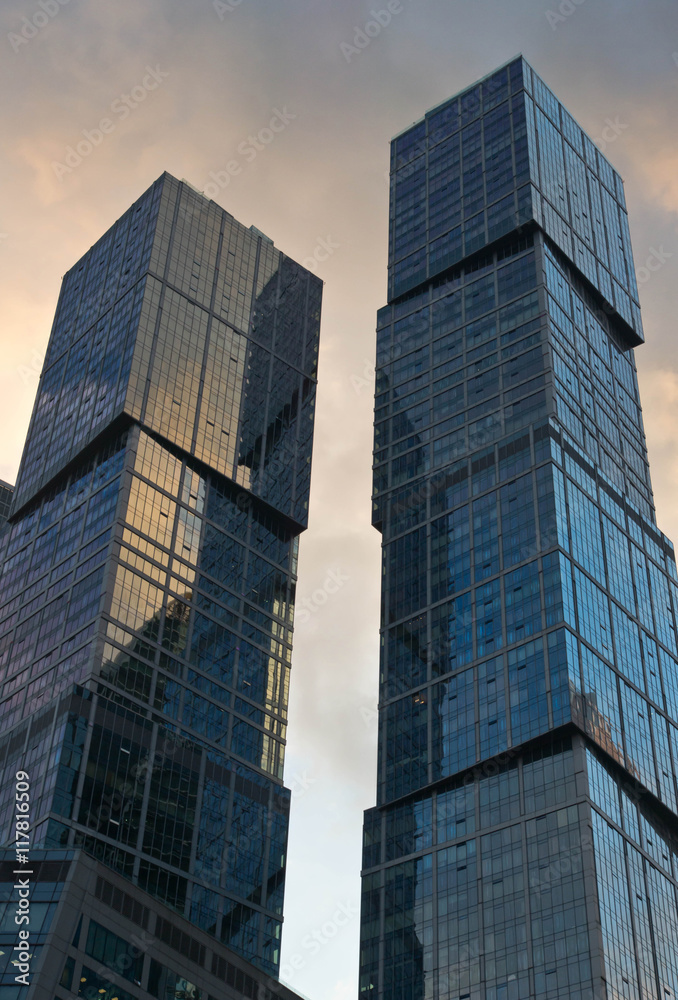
point(188, 87)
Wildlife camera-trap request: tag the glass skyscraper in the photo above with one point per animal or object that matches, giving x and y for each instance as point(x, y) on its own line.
point(147, 599)
point(525, 838)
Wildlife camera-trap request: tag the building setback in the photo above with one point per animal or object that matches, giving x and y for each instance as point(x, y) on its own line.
point(6, 492)
point(147, 600)
point(525, 838)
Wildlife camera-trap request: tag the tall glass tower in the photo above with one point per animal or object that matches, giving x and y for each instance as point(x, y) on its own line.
point(525, 838)
point(147, 600)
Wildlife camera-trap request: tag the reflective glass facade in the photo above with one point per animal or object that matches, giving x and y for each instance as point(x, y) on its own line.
point(525, 839)
point(6, 492)
point(97, 936)
point(147, 592)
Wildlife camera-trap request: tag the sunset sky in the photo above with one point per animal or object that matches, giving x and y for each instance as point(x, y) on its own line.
point(187, 86)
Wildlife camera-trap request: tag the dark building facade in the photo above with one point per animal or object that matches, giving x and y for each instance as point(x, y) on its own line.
point(147, 592)
point(6, 492)
point(100, 938)
point(525, 838)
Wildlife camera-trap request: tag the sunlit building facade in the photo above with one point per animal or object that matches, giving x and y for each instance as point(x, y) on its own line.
point(147, 591)
point(525, 838)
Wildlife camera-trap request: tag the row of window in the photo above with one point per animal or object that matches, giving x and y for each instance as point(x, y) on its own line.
point(457, 916)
